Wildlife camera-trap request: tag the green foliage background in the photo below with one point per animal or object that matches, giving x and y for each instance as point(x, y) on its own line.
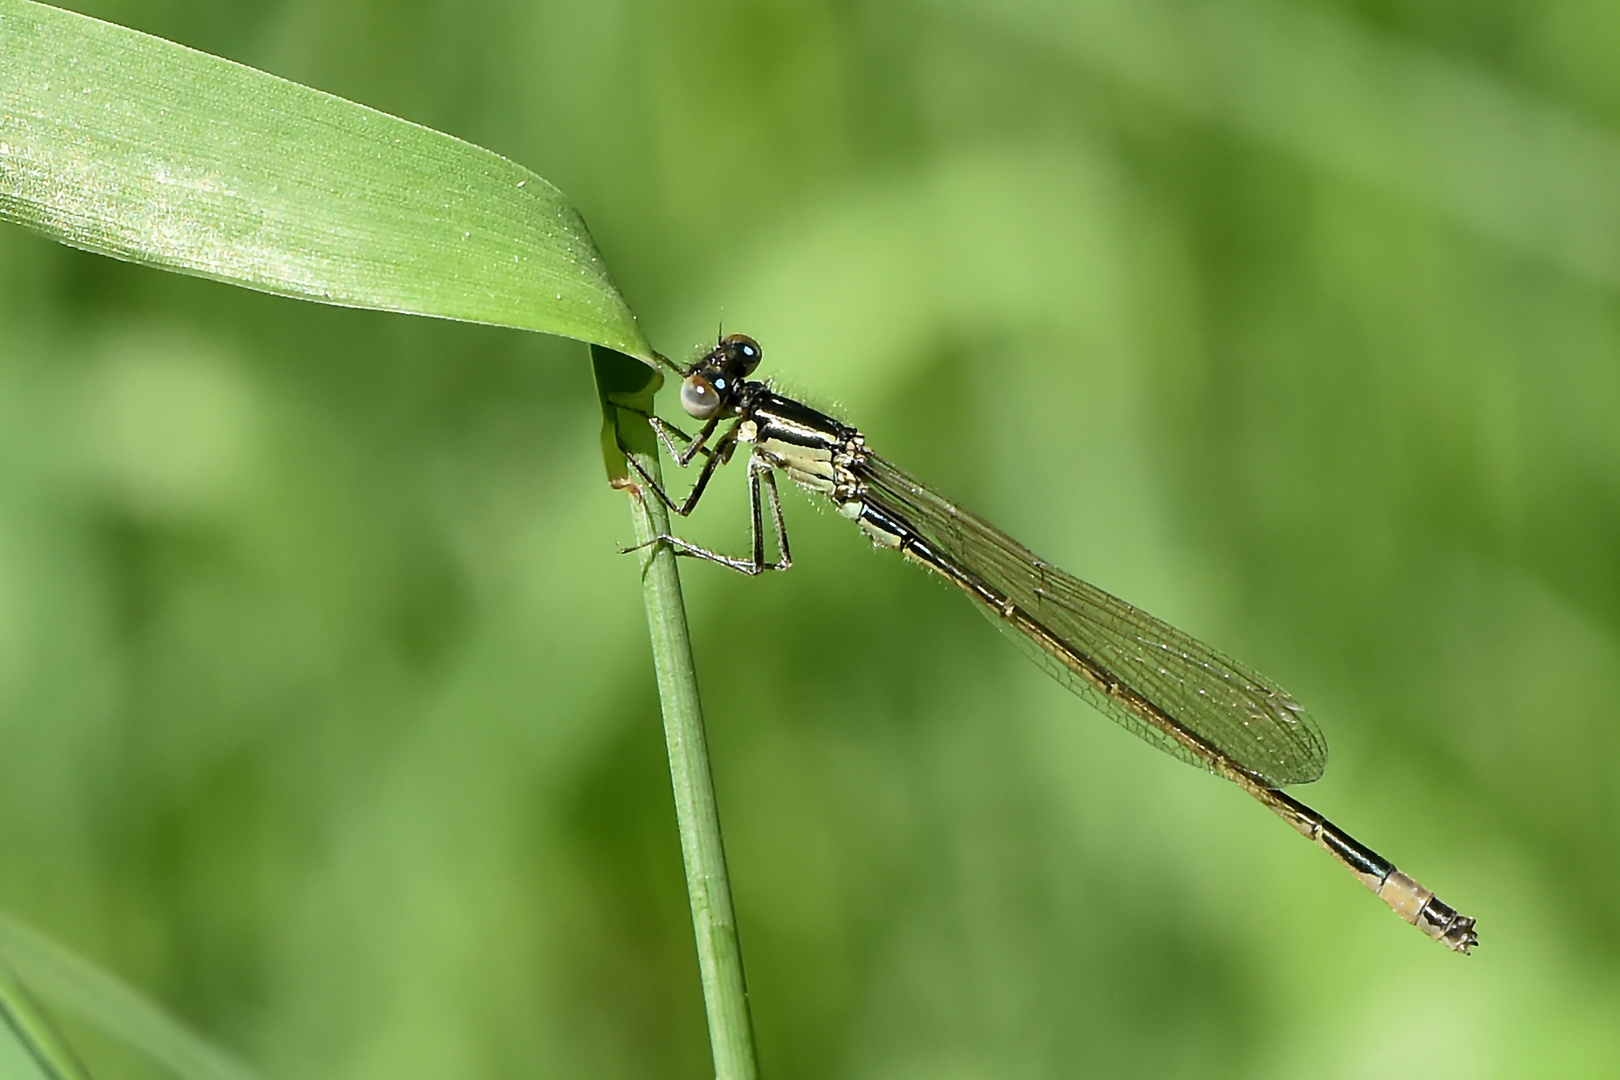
point(325, 709)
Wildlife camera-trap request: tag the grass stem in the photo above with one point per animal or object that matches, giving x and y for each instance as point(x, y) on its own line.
point(725, 992)
point(626, 388)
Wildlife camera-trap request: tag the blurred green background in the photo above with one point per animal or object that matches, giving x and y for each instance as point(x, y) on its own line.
point(326, 712)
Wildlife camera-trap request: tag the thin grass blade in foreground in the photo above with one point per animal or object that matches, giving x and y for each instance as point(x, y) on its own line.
point(135, 147)
point(626, 391)
point(22, 1019)
point(75, 985)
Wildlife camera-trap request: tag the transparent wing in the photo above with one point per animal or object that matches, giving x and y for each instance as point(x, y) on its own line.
point(1141, 672)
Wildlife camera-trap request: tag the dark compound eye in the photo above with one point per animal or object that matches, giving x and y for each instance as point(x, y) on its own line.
point(744, 350)
point(700, 399)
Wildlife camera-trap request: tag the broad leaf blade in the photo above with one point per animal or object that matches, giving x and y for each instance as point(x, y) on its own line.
point(135, 147)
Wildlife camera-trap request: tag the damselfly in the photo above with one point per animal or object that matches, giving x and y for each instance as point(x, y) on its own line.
point(1166, 686)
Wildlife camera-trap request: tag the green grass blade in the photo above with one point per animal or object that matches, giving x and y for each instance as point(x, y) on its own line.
point(128, 145)
point(73, 984)
point(38, 1038)
point(621, 386)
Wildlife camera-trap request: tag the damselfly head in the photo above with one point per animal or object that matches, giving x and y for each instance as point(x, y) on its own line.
point(716, 379)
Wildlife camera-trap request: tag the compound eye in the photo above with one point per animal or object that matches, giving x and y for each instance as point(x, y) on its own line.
point(699, 398)
point(743, 350)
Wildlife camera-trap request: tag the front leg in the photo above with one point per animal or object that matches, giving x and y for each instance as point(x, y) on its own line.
point(718, 455)
point(682, 457)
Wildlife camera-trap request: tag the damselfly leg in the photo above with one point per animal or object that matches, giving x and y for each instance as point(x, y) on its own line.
point(759, 474)
point(714, 456)
point(694, 446)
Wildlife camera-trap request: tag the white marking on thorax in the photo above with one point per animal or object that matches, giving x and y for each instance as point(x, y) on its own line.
point(808, 466)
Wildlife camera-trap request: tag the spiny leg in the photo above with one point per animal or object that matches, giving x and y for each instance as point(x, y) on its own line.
point(718, 455)
point(784, 556)
point(758, 473)
point(683, 458)
point(665, 430)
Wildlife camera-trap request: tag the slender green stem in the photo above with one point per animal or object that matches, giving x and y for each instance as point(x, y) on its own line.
point(725, 993)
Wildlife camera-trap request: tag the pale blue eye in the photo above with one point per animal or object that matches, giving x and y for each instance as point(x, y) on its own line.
point(698, 398)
